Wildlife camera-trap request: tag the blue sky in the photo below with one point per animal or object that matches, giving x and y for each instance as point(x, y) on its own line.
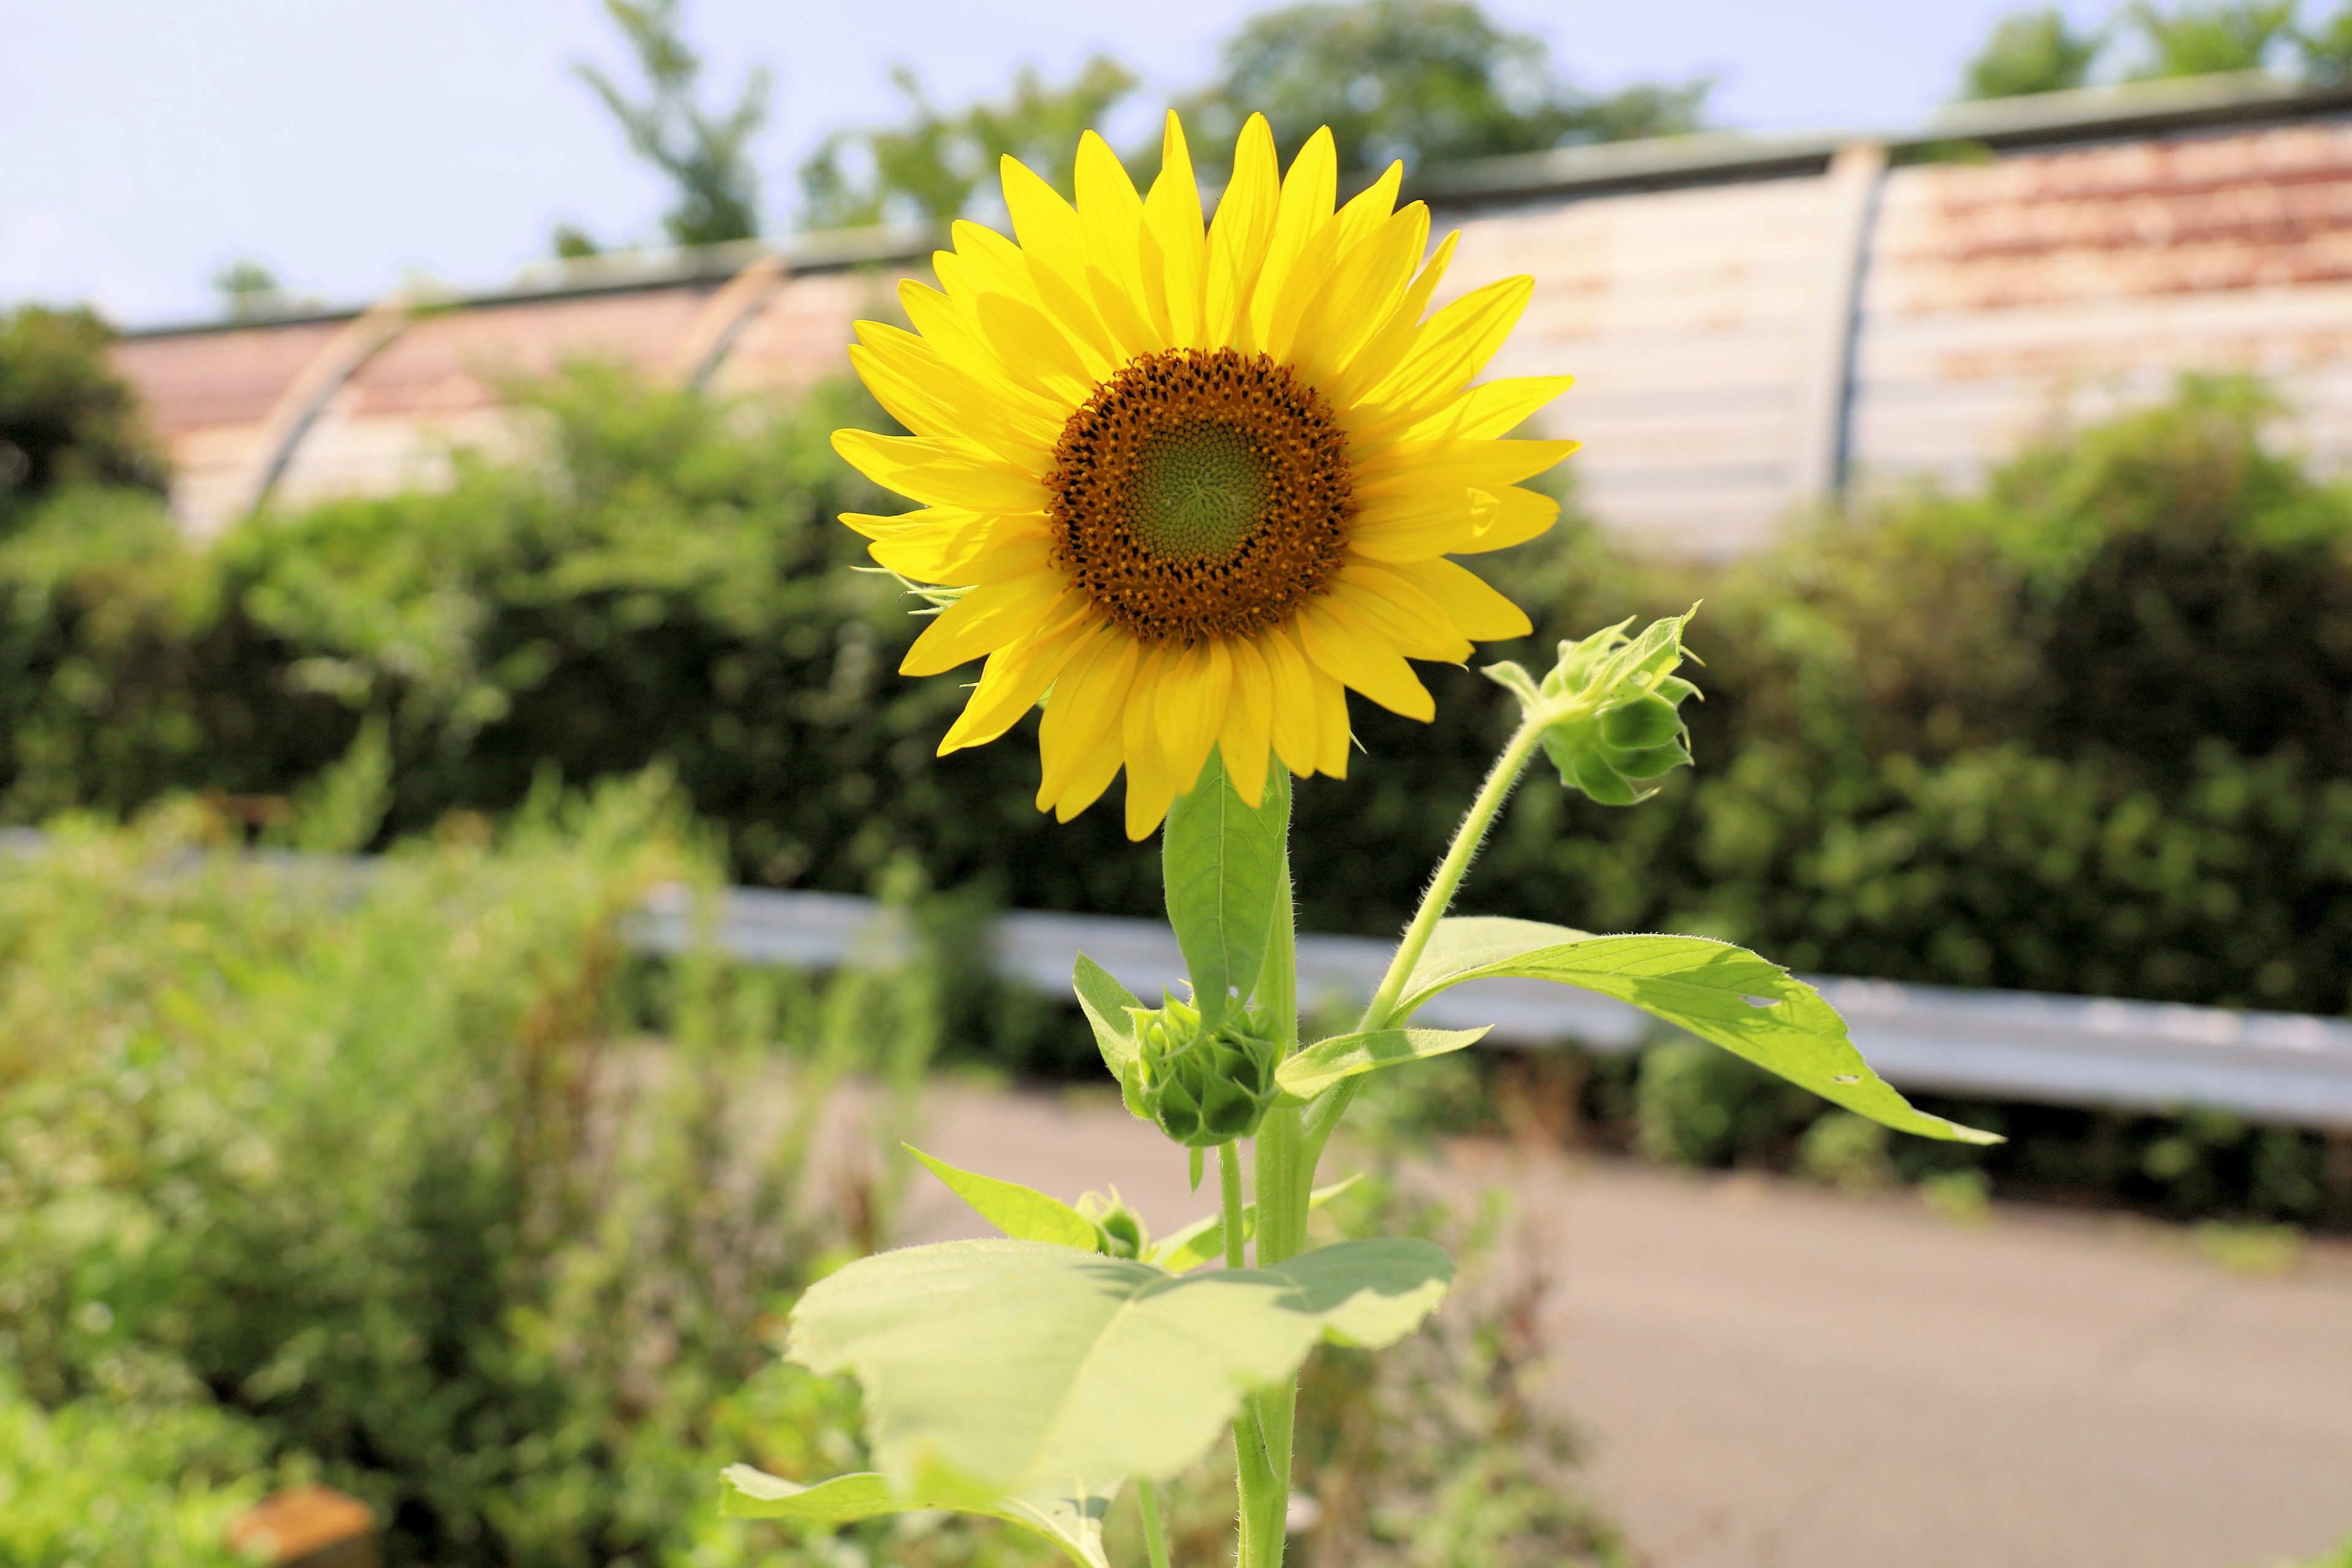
point(144, 143)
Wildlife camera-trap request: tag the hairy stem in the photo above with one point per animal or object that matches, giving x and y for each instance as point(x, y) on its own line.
point(1439, 897)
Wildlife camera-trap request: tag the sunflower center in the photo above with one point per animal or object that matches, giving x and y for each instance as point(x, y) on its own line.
point(1201, 495)
point(1200, 490)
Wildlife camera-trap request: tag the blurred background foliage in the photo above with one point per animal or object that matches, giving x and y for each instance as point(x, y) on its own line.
point(2078, 728)
point(2081, 728)
point(406, 1176)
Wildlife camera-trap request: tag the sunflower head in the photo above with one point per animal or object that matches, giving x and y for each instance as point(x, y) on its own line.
point(1197, 481)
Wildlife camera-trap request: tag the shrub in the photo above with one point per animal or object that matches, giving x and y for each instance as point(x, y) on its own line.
point(66, 417)
point(382, 1166)
point(99, 1483)
point(2079, 731)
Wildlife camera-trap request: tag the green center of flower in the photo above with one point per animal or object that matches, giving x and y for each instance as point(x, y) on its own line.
point(1200, 491)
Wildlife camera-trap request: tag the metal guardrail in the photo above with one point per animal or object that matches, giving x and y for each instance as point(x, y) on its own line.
point(2068, 1050)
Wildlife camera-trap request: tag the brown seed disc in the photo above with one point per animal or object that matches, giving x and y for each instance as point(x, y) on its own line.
point(1201, 494)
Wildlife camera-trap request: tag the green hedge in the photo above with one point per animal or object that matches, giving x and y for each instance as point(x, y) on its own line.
point(2083, 729)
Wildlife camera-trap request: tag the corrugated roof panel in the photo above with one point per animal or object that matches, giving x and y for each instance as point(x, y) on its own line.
point(803, 335)
point(439, 384)
point(2000, 297)
point(1683, 315)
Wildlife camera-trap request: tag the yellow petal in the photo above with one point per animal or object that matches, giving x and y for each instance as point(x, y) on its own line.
point(933, 400)
point(960, 549)
point(1081, 728)
point(1502, 519)
point(1017, 329)
point(1010, 684)
point(1304, 210)
point(940, 473)
point(1453, 346)
point(1496, 408)
point(1194, 689)
point(1112, 214)
point(984, 621)
point(1248, 726)
point(1333, 733)
point(1476, 609)
point(1174, 249)
point(1365, 286)
point(1294, 735)
point(1409, 467)
point(1387, 347)
point(1371, 207)
point(1238, 237)
point(1054, 254)
point(953, 327)
point(1148, 787)
point(1413, 622)
point(1352, 651)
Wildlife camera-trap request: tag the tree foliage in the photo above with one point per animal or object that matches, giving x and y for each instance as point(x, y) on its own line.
point(2201, 38)
point(929, 165)
point(703, 151)
point(2030, 51)
point(1422, 81)
point(65, 415)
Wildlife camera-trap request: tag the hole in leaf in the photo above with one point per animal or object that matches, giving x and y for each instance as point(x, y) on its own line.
point(1761, 1001)
point(1847, 1077)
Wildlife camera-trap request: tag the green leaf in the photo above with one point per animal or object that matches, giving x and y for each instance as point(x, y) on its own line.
point(1105, 1003)
point(1221, 861)
point(1074, 1524)
point(1320, 1066)
point(1203, 1241)
point(1014, 1369)
point(1024, 1214)
point(1749, 1006)
point(1370, 1294)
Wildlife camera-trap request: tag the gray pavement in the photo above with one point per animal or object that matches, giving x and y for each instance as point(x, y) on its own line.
point(1775, 1377)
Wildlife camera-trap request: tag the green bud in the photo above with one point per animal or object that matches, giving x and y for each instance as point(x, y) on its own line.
point(1610, 710)
point(1203, 1090)
point(1118, 1229)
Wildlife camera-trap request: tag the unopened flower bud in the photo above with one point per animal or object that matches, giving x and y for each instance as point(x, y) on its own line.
point(1204, 1091)
point(1612, 709)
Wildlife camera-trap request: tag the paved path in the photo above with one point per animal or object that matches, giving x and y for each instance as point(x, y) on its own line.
point(1773, 1376)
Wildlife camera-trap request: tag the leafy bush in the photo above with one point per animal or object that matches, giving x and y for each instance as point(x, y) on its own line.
point(2081, 729)
point(66, 417)
point(381, 1166)
point(99, 1483)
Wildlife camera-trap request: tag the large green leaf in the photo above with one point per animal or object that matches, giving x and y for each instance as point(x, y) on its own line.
point(1221, 861)
point(1015, 1369)
point(1074, 1524)
point(1749, 1006)
point(1320, 1066)
point(1024, 1214)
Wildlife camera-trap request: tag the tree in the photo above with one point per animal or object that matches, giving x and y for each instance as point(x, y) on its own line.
point(2199, 37)
point(2326, 49)
point(2030, 51)
point(65, 416)
point(929, 165)
point(248, 290)
point(703, 152)
point(1423, 81)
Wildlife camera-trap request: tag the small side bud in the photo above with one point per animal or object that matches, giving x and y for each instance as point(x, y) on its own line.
point(1119, 1230)
point(1610, 709)
point(1204, 1089)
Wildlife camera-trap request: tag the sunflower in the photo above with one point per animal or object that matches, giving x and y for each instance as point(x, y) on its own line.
point(1195, 482)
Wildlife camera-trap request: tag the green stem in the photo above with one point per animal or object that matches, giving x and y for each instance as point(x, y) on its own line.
point(1155, 1534)
point(1228, 1187)
point(1450, 871)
